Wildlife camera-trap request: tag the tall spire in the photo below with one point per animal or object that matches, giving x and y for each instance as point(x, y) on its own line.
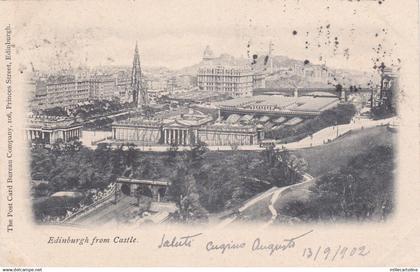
point(139, 92)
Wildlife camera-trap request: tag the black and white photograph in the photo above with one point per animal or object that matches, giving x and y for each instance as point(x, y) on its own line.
point(210, 133)
point(221, 120)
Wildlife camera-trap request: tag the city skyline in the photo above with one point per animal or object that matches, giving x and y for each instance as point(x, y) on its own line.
point(181, 32)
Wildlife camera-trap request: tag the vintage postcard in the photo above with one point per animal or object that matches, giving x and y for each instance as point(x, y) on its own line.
point(209, 133)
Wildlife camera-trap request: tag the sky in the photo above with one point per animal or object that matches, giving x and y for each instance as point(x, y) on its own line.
point(174, 34)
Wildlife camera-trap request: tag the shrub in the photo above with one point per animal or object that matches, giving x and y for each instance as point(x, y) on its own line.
point(55, 207)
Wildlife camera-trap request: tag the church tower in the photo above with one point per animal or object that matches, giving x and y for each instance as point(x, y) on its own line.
point(138, 90)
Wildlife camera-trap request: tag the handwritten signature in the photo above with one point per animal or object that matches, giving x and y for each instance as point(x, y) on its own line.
point(287, 243)
point(257, 245)
point(183, 241)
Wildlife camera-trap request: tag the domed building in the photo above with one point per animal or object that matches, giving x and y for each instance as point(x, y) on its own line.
point(208, 54)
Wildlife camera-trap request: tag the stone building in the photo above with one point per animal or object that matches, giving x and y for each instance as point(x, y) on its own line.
point(60, 91)
point(68, 90)
point(65, 90)
point(102, 87)
point(236, 82)
point(123, 86)
point(180, 129)
point(48, 129)
point(226, 134)
point(277, 105)
point(258, 80)
point(137, 131)
point(389, 89)
point(184, 129)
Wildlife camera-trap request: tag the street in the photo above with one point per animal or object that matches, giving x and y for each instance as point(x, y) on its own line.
point(267, 200)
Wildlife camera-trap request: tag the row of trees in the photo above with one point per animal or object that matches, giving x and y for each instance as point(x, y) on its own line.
point(94, 108)
point(202, 182)
point(70, 166)
point(216, 181)
point(101, 123)
point(364, 189)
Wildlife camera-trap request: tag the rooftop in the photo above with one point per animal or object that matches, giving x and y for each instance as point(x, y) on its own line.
point(279, 102)
point(225, 69)
point(183, 118)
point(222, 126)
point(323, 94)
point(50, 122)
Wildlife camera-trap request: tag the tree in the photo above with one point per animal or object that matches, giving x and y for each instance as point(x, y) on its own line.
point(42, 163)
point(131, 155)
point(361, 190)
point(283, 158)
point(148, 169)
point(279, 167)
point(296, 167)
point(270, 155)
point(196, 154)
point(56, 111)
point(172, 152)
point(177, 189)
point(73, 145)
point(58, 146)
point(190, 208)
point(117, 161)
point(41, 190)
point(338, 88)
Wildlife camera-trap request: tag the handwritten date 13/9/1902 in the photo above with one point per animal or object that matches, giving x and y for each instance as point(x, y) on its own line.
point(333, 253)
